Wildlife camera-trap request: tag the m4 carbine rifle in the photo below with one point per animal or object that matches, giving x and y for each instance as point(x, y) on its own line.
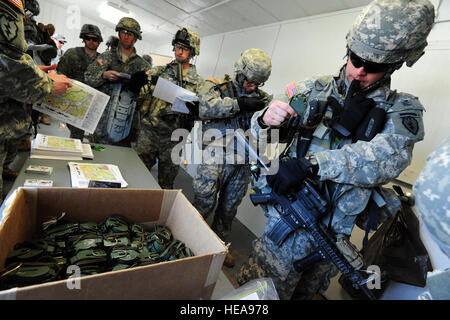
point(303, 209)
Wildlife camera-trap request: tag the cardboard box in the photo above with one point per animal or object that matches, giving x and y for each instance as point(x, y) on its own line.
point(189, 278)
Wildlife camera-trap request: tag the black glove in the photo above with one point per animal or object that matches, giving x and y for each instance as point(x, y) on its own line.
point(356, 106)
point(251, 104)
point(137, 81)
point(290, 175)
point(154, 80)
point(193, 107)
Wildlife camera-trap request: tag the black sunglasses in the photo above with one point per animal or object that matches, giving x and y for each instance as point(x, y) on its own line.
point(369, 67)
point(95, 39)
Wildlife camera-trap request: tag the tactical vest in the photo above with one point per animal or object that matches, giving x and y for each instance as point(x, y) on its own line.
point(120, 110)
point(121, 107)
point(241, 120)
point(321, 141)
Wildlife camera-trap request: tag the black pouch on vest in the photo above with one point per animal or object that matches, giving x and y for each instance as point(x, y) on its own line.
point(372, 124)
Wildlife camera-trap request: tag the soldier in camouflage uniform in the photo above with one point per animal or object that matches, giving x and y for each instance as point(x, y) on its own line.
point(75, 61)
point(148, 58)
point(21, 81)
point(431, 191)
point(223, 102)
point(363, 136)
point(158, 120)
point(105, 71)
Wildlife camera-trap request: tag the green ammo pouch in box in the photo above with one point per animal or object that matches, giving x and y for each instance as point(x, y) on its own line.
point(124, 254)
point(159, 239)
point(116, 239)
point(89, 256)
point(31, 251)
point(89, 227)
point(85, 241)
point(21, 274)
point(115, 224)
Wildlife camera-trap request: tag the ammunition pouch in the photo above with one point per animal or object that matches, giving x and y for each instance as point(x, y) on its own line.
point(93, 247)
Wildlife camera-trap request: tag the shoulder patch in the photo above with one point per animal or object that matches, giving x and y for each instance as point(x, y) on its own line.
point(8, 27)
point(292, 89)
point(101, 62)
point(410, 123)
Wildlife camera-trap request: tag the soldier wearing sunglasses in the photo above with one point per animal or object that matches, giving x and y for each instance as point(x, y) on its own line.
point(355, 135)
point(75, 61)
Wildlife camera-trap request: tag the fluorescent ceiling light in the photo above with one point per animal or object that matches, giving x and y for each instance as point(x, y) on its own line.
point(113, 12)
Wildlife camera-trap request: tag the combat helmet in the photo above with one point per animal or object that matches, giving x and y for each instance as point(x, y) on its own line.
point(254, 64)
point(91, 29)
point(392, 31)
point(189, 38)
point(112, 42)
point(131, 25)
point(33, 7)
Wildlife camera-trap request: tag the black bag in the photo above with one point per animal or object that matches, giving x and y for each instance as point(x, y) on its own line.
point(397, 249)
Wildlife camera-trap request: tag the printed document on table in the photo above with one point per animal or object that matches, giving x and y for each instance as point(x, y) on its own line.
point(82, 173)
point(176, 95)
point(81, 106)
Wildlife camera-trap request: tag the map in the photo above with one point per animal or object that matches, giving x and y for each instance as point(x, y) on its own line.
point(81, 106)
point(58, 142)
point(75, 101)
point(97, 172)
point(82, 173)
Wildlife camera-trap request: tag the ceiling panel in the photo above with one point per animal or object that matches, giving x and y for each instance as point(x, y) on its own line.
point(191, 6)
point(282, 10)
point(253, 12)
point(162, 18)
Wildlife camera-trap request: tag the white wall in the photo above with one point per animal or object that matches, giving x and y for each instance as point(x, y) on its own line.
point(316, 45)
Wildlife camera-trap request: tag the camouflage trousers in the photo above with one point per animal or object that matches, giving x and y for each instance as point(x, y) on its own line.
point(8, 152)
point(153, 145)
point(224, 185)
point(264, 262)
point(75, 133)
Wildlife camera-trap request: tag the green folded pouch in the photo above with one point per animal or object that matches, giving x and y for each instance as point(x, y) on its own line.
point(89, 256)
point(89, 227)
point(115, 224)
point(124, 254)
point(61, 230)
point(159, 239)
point(116, 239)
point(31, 251)
point(27, 273)
point(85, 241)
point(175, 250)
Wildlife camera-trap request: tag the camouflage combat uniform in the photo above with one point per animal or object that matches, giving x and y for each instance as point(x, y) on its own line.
point(112, 60)
point(158, 123)
point(21, 81)
point(223, 182)
point(73, 64)
point(350, 171)
point(431, 191)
